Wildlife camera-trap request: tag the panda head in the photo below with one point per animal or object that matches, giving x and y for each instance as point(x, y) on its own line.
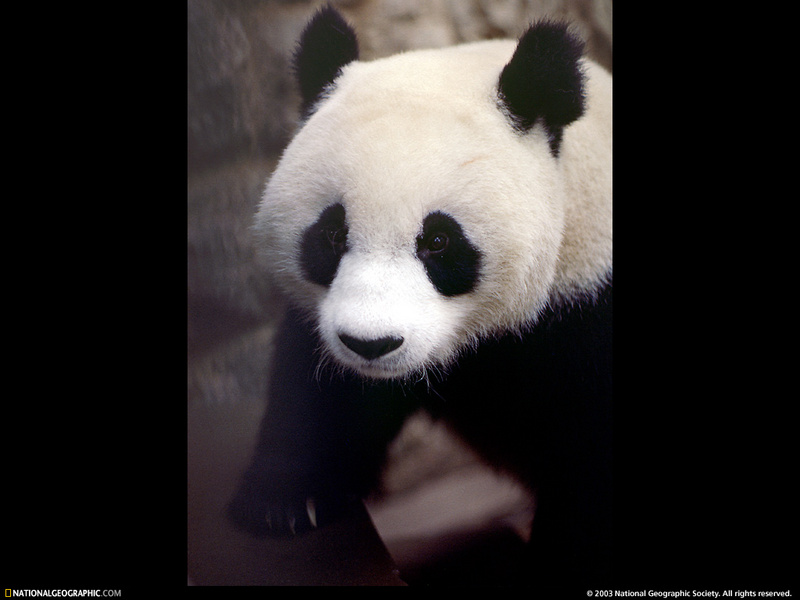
point(419, 209)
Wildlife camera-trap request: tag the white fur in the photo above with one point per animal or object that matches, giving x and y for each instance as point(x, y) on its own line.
point(401, 137)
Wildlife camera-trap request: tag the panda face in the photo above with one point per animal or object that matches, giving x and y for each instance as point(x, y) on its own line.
point(390, 312)
point(412, 222)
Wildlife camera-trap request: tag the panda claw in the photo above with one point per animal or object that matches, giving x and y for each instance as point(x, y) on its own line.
point(311, 510)
point(285, 517)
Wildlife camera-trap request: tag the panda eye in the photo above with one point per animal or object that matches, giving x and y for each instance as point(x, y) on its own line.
point(437, 243)
point(337, 238)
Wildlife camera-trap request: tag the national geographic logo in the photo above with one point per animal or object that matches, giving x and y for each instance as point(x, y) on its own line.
point(58, 593)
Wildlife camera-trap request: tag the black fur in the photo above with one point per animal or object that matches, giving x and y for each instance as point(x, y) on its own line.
point(543, 80)
point(539, 405)
point(327, 44)
point(323, 245)
point(452, 263)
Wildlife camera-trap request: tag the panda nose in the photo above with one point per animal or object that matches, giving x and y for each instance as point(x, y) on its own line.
point(371, 349)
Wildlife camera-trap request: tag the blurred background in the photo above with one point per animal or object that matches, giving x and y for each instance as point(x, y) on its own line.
point(441, 510)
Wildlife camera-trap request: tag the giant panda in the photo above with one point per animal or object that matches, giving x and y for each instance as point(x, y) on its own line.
point(441, 225)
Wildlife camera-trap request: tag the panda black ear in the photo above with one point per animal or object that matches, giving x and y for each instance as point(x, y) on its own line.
point(543, 81)
point(327, 44)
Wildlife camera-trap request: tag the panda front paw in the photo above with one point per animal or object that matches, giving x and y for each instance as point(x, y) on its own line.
point(275, 518)
point(285, 517)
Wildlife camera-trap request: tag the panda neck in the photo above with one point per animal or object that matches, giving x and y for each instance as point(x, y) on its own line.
point(585, 257)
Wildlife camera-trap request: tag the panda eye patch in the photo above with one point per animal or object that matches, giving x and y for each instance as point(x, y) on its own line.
point(451, 262)
point(323, 244)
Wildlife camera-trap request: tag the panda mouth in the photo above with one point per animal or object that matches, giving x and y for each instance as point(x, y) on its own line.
point(381, 369)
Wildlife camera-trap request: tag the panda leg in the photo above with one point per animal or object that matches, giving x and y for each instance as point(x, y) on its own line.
point(321, 443)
